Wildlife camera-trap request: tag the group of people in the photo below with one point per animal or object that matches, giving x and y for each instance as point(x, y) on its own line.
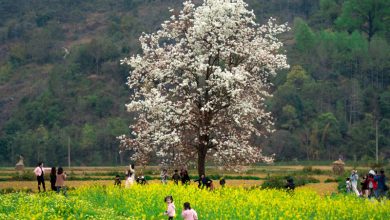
point(372, 184)
point(130, 178)
point(57, 178)
point(183, 177)
point(188, 213)
point(203, 181)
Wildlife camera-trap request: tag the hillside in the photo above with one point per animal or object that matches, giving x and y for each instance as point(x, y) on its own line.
point(61, 82)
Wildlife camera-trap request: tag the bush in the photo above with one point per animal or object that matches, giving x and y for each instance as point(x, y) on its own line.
point(342, 185)
point(279, 182)
point(330, 181)
point(26, 175)
point(310, 170)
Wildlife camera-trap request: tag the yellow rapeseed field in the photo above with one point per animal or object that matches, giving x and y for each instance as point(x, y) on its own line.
point(147, 202)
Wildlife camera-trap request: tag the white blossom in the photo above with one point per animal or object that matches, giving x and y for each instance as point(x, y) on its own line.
point(201, 83)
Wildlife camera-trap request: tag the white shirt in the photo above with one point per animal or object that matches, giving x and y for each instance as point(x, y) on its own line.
point(39, 171)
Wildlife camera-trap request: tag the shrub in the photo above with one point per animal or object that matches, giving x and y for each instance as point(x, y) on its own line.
point(330, 180)
point(26, 175)
point(310, 170)
point(279, 182)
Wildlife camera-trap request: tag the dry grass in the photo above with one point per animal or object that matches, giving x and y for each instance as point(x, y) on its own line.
point(322, 188)
point(258, 171)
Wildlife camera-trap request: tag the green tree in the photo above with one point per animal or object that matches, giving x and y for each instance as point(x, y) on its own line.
point(384, 103)
point(362, 136)
point(92, 55)
point(367, 16)
point(328, 13)
point(305, 38)
point(289, 118)
point(330, 135)
point(88, 136)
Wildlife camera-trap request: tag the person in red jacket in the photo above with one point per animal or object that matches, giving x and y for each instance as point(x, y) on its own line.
point(372, 184)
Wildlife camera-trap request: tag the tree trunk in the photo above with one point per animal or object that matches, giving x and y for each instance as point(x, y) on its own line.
point(370, 31)
point(202, 160)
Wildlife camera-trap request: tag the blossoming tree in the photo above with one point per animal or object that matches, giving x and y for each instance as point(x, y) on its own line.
point(199, 87)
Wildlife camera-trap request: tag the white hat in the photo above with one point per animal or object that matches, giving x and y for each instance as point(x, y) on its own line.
point(371, 172)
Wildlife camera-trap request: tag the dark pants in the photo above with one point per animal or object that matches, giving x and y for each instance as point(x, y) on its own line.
point(53, 186)
point(40, 180)
point(63, 188)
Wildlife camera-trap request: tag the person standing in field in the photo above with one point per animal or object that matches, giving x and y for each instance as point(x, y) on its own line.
point(130, 176)
point(204, 181)
point(222, 182)
point(53, 178)
point(171, 209)
point(182, 172)
point(176, 177)
point(372, 185)
point(348, 185)
point(117, 181)
point(164, 176)
point(382, 187)
point(60, 181)
point(188, 213)
point(354, 178)
point(40, 174)
point(290, 186)
point(364, 184)
point(185, 178)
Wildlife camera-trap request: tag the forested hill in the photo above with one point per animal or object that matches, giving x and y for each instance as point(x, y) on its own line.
point(61, 83)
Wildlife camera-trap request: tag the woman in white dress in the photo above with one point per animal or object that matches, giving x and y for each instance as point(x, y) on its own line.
point(130, 176)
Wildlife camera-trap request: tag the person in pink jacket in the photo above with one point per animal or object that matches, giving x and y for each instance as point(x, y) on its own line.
point(188, 213)
point(171, 209)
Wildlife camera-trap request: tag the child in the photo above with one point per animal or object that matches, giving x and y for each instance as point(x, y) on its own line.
point(164, 176)
point(117, 181)
point(290, 186)
point(364, 184)
point(171, 210)
point(141, 180)
point(60, 180)
point(348, 185)
point(222, 182)
point(188, 213)
point(176, 177)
